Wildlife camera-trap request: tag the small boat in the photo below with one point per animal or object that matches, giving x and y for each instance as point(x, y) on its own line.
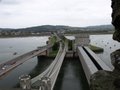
point(14, 53)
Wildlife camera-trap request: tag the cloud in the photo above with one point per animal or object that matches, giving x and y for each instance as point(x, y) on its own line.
point(9, 2)
point(23, 13)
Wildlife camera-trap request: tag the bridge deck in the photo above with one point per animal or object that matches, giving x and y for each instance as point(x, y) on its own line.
point(11, 64)
point(98, 60)
point(87, 64)
point(52, 71)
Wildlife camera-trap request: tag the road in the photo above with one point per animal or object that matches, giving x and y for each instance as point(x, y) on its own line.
point(11, 64)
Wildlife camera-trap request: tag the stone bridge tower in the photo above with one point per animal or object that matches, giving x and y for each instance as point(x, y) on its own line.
point(82, 39)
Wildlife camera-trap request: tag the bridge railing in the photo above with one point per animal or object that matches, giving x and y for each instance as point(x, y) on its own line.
point(88, 66)
point(47, 70)
point(13, 63)
point(91, 62)
point(97, 59)
point(24, 55)
point(55, 73)
point(51, 73)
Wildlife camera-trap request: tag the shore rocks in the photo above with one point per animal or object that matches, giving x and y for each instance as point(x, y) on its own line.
point(107, 80)
point(116, 18)
point(115, 59)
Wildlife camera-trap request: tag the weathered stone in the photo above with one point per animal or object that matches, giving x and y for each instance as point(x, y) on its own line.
point(115, 59)
point(117, 82)
point(106, 80)
point(116, 35)
point(116, 18)
point(101, 80)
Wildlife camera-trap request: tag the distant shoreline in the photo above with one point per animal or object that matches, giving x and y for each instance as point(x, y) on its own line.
point(23, 36)
point(66, 33)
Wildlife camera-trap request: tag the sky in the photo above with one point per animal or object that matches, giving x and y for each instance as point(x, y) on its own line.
point(80, 13)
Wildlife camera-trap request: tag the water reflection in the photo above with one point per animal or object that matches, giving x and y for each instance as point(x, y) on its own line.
point(71, 76)
point(13, 77)
point(42, 63)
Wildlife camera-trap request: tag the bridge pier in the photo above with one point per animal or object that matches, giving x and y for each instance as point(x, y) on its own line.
point(82, 40)
point(71, 54)
point(45, 53)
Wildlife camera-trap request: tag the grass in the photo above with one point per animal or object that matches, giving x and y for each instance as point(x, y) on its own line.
point(52, 39)
point(53, 53)
point(55, 47)
point(96, 49)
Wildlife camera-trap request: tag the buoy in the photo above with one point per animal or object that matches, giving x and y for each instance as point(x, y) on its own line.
point(14, 53)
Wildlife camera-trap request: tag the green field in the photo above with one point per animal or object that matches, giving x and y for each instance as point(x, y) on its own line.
point(96, 49)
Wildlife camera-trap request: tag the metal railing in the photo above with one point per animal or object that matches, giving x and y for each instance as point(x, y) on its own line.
point(48, 78)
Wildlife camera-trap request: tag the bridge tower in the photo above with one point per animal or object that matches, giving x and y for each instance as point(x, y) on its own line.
point(82, 40)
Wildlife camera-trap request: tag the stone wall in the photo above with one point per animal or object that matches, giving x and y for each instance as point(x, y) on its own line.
point(116, 18)
point(106, 80)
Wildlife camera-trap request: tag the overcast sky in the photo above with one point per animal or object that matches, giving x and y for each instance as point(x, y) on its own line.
point(26, 13)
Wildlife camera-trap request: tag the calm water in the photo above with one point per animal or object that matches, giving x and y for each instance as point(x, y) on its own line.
point(71, 76)
point(105, 41)
point(8, 46)
point(20, 45)
point(109, 45)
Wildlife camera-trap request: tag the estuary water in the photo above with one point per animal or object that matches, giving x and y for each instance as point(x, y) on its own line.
point(10, 46)
point(13, 47)
point(108, 44)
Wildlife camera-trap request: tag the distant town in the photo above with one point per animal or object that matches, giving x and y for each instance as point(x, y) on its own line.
point(48, 29)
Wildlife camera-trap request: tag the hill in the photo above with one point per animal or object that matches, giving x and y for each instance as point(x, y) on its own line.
point(100, 28)
point(50, 28)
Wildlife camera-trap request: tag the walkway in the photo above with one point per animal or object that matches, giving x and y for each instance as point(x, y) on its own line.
point(48, 78)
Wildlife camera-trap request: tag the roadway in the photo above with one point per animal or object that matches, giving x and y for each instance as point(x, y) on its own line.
point(11, 64)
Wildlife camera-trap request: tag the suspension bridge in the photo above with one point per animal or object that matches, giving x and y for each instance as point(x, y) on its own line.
point(91, 63)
